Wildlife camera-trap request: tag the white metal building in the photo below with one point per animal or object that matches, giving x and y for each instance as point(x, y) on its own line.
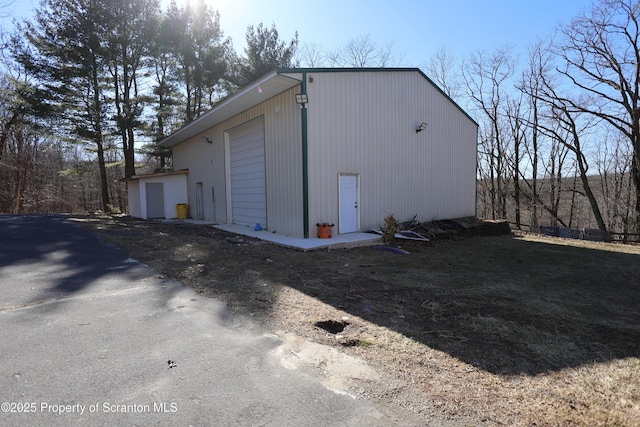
point(341, 146)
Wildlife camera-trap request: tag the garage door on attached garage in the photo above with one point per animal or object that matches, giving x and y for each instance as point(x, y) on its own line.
point(247, 167)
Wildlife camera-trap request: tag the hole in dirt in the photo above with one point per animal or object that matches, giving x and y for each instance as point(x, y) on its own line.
point(332, 326)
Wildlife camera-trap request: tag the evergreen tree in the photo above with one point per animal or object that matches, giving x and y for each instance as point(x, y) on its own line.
point(65, 53)
point(166, 96)
point(264, 53)
point(131, 26)
point(201, 53)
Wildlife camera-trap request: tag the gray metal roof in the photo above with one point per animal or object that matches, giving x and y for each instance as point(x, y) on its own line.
point(267, 87)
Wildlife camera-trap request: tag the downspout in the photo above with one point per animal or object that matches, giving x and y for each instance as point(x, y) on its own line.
point(305, 162)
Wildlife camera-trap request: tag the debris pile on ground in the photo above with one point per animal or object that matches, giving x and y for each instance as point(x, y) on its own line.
point(456, 228)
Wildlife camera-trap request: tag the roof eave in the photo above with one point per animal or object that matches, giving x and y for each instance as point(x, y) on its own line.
point(270, 85)
point(154, 175)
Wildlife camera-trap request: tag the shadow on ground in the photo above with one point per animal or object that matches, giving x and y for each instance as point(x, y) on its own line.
point(503, 304)
point(51, 258)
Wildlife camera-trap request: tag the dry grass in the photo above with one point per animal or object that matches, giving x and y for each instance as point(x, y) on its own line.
point(507, 330)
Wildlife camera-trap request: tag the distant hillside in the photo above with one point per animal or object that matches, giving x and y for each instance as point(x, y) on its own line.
point(563, 203)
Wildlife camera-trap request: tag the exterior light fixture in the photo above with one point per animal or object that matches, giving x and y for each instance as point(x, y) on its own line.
point(302, 99)
point(422, 127)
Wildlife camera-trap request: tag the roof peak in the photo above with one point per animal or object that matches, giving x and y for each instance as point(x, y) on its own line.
point(343, 69)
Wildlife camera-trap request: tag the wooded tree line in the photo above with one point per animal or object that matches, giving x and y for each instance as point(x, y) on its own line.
point(559, 135)
point(90, 85)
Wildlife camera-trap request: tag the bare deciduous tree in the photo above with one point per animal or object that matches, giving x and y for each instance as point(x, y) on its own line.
point(600, 51)
point(614, 166)
point(443, 68)
point(485, 80)
point(359, 52)
point(569, 126)
point(363, 52)
point(311, 55)
point(518, 130)
point(545, 156)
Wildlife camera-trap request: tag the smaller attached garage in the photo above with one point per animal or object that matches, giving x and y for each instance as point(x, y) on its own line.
point(155, 196)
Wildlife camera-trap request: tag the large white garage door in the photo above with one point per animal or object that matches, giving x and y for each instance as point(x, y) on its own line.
point(248, 190)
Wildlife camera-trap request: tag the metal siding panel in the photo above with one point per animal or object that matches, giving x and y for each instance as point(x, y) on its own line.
point(364, 122)
point(206, 164)
point(283, 163)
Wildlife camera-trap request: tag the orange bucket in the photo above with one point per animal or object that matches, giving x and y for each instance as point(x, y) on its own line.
point(324, 230)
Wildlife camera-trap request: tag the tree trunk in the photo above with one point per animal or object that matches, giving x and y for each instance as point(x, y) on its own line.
point(129, 155)
point(104, 186)
point(516, 196)
point(5, 131)
point(534, 178)
point(517, 140)
point(98, 138)
point(590, 196)
point(635, 162)
point(635, 172)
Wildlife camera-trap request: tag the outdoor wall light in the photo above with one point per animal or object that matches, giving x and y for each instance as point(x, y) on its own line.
point(422, 127)
point(302, 99)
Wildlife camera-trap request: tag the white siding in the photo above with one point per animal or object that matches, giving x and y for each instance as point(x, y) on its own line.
point(365, 123)
point(283, 163)
point(175, 192)
point(133, 197)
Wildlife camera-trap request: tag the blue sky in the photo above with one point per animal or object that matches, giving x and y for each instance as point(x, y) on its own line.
point(415, 28)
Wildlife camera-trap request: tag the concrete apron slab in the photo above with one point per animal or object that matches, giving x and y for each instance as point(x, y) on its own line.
point(337, 241)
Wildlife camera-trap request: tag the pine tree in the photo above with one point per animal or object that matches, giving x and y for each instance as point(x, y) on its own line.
point(64, 51)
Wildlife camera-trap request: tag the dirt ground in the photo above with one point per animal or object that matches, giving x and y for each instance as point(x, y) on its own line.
point(507, 330)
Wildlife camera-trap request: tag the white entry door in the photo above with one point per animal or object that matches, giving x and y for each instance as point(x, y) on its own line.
point(348, 199)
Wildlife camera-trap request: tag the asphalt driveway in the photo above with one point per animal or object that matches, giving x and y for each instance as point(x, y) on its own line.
point(91, 337)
